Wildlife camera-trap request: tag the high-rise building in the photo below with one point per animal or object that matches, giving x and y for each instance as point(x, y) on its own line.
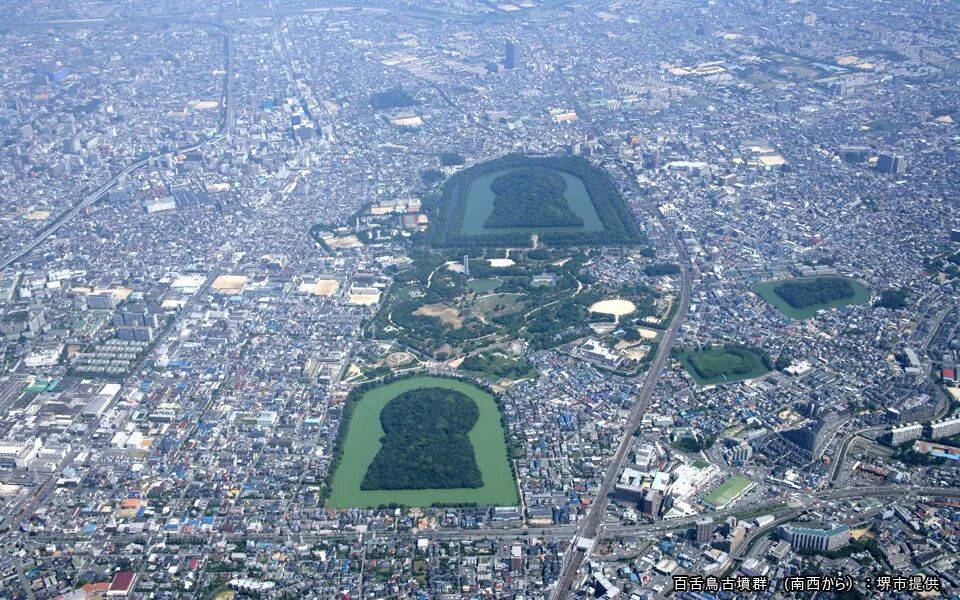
point(944, 428)
point(900, 435)
point(739, 454)
point(809, 437)
point(516, 558)
point(134, 333)
point(630, 493)
point(141, 315)
point(704, 530)
point(466, 265)
point(652, 502)
point(889, 162)
point(510, 55)
point(101, 301)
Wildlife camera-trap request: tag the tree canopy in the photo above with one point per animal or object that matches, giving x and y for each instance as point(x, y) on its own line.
point(425, 443)
point(893, 298)
point(659, 269)
point(451, 159)
point(728, 361)
point(531, 197)
point(801, 293)
point(395, 98)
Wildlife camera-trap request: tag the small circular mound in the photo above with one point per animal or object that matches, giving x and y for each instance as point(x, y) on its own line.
point(399, 358)
point(616, 307)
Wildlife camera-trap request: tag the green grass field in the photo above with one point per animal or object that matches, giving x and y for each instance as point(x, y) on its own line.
point(485, 305)
point(363, 442)
point(718, 365)
point(766, 291)
point(482, 286)
point(727, 491)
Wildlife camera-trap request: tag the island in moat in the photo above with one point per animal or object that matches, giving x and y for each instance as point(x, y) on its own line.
point(420, 441)
point(804, 297)
point(505, 202)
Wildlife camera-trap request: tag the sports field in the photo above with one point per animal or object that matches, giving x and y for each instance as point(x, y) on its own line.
point(727, 492)
point(483, 286)
point(362, 444)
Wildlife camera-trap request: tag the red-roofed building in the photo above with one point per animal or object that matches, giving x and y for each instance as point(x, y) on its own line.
point(949, 373)
point(122, 584)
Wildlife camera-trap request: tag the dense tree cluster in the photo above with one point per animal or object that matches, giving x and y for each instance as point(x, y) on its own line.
point(784, 360)
point(660, 269)
point(562, 322)
point(801, 293)
point(694, 443)
point(498, 365)
point(451, 159)
point(531, 197)
point(907, 454)
point(428, 333)
point(538, 254)
point(431, 176)
point(426, 443)
point(893, 298)
point(446, 210)
point(395, 98)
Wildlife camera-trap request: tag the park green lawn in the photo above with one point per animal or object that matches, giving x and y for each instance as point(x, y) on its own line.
point(362, 443)
point(487, 305)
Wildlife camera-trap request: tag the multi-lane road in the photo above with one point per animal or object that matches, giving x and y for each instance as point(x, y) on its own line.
point(806, 503)
point(590, 525)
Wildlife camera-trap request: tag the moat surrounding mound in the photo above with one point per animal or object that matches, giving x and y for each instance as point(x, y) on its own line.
point(801, 294)
point(804, 297)
point(359, 443)
point(531, 197)
point(589, 211)
point(425, 443)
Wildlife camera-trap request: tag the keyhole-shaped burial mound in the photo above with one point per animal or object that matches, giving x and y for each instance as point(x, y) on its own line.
point(425, 443)
point(531, 197)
